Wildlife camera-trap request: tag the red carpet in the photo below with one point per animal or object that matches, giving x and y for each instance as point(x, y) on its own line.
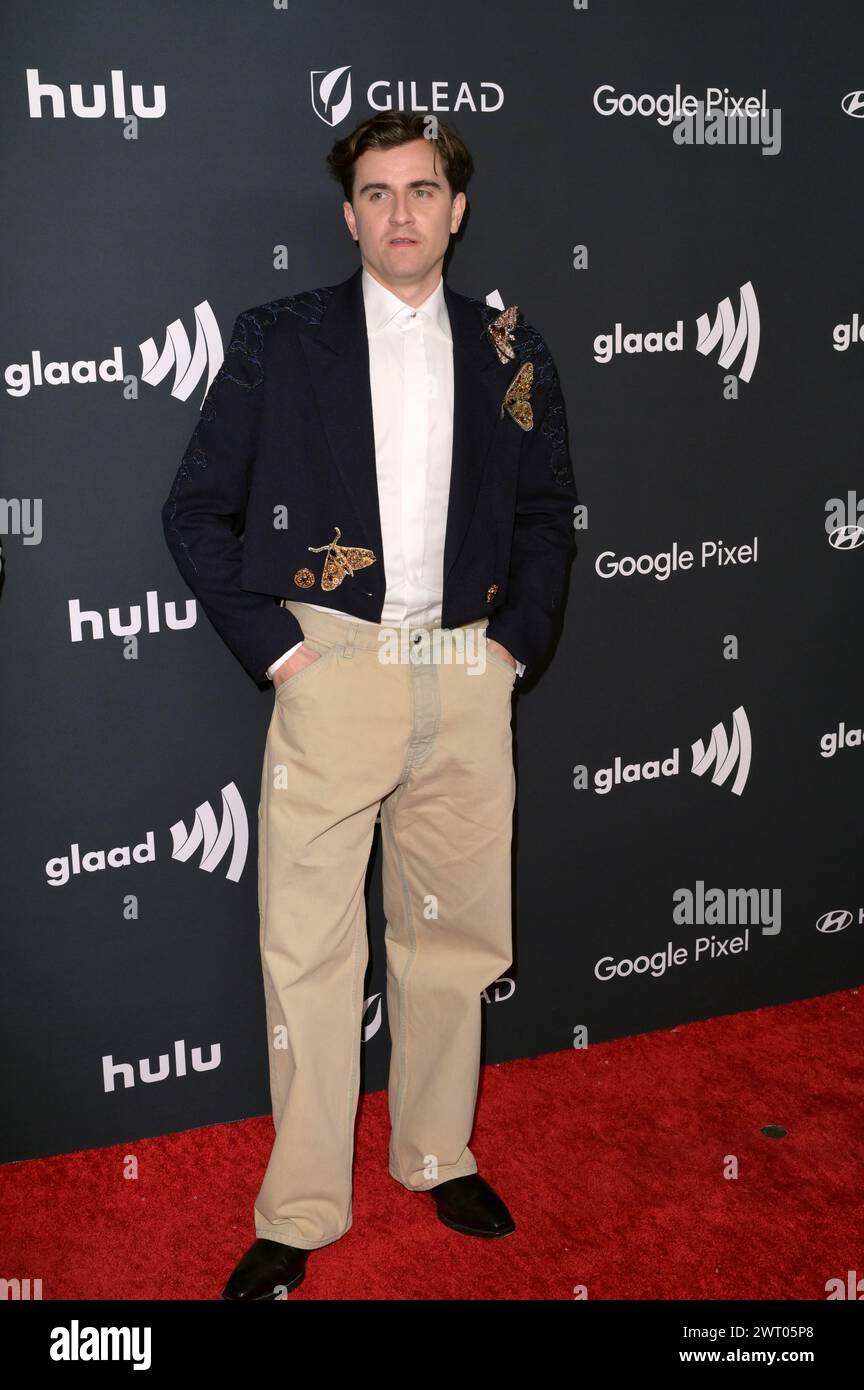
point(610, 1159)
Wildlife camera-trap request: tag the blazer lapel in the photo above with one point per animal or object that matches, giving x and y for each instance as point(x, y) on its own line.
point(479, 383)
point(338, 355)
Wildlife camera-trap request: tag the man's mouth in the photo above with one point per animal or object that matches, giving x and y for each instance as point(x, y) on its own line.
point(403, 241)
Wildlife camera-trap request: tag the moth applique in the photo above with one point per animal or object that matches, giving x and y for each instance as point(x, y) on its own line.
point(517, 398)
point(341, 561)
point(501, 330)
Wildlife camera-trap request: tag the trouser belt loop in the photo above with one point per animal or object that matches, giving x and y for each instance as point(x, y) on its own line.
point(350, 635)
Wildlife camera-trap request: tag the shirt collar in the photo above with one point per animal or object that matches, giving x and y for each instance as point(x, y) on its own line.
point(382, 306)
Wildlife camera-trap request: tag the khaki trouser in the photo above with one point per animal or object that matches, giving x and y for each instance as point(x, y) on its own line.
point(431, 745)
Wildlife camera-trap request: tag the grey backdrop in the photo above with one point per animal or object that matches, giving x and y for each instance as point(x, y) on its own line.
point(108, 239)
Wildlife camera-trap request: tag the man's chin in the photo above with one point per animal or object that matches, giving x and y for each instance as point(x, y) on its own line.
point(401, 266)
point(404, 255)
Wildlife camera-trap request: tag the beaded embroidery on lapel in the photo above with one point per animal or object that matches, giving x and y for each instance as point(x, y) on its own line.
point(501, 331)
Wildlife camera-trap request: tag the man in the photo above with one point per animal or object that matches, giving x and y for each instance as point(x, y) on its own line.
point(395, 458)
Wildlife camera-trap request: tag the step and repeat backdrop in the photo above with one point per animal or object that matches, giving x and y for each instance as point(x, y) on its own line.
point(672, 194)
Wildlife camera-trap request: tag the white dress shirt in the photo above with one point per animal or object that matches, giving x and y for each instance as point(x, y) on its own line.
point(411, 379)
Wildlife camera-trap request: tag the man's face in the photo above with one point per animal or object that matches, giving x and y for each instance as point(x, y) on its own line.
point(402, 212)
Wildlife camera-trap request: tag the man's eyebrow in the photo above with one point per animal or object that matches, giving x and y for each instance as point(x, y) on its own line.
point(415, 183)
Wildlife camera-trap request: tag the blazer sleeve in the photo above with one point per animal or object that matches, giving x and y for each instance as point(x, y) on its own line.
point(543, 544)
point(204, 514)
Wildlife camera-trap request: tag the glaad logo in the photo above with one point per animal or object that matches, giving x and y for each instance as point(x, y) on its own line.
point(189, 364)
point(37, 91)
point(841, 737)
point(843, 521)
point(215, 839)
point(724, 755)
point(126, 1072)
point(839, 920)
point(331, 94)
point(743, 333)
point(853, 104)
point(732, 335)
point(844, 334)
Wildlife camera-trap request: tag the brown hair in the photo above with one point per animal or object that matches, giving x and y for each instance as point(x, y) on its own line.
point(387, 129)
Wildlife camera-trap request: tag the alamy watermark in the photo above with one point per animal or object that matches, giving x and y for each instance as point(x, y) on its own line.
point(433, 646)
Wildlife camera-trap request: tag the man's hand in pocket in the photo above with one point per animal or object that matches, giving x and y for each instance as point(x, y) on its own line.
point(304, 656)
point(502, 652)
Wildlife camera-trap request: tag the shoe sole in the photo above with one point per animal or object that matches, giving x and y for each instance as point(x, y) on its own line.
point(472, 1230)
point(270, 1297)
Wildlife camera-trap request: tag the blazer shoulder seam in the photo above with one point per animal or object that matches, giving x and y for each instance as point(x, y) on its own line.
point(304, 309)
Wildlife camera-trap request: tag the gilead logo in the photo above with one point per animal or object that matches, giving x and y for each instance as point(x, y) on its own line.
point(331, 95)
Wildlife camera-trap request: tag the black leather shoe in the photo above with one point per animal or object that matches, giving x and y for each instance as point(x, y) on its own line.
point(471, 1206)
point(266, 1271)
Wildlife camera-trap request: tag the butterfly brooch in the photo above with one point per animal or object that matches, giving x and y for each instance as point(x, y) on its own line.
point(501, 330)
point(517, 398)
point(341, 561)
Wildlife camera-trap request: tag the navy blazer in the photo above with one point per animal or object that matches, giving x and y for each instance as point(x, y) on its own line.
point(284, 453)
